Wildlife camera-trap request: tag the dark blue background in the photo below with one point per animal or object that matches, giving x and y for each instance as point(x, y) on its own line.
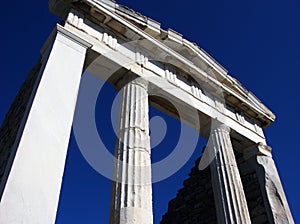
point(257, 41)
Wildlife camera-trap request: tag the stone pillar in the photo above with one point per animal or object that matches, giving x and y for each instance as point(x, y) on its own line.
point(34, 176)
point(276, 205)
point(229, 195)
point(132, 188)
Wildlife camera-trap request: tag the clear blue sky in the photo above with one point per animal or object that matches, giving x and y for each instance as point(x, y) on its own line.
point(257, 41)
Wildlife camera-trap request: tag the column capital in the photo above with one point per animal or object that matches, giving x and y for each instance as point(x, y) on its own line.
point(219, 126)
point(130, 78)
point(140, 82)
point(258, 149)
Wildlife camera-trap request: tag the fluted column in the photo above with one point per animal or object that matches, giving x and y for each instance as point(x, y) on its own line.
point(260, 158)
point(229, 195)
point(132, 190)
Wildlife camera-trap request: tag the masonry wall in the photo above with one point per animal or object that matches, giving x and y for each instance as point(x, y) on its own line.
point(13, 121)
point(252, 191)
point(194, 203)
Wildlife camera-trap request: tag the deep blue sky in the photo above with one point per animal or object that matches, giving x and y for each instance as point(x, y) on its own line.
point(257, 41)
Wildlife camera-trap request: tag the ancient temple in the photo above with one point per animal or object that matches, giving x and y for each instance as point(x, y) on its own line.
point(235, 180)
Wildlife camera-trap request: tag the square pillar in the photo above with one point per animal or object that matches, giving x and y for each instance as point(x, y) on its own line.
point(260, 158)
point(34, 174)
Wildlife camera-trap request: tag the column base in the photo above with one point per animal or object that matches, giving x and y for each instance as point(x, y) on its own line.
point(130, 215)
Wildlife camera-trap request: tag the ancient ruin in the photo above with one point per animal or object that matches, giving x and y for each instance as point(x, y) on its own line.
point(235, 180)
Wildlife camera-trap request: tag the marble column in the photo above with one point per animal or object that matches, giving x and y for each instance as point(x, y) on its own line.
point(229, 195)
point(131, 201)
point(32, 189)
point(260, 158)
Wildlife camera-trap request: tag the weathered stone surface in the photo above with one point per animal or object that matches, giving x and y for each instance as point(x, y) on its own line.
point(194, 203)
point(275, 202)
point(196, 200)
point(255, 202)
point(13, 122)
point(106, 26)
point(132, 187)
point(227, 185)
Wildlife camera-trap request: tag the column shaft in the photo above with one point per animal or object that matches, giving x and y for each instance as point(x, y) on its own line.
point(229, 195)
point(132, 188)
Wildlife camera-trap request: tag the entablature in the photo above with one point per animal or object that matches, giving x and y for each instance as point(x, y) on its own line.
point(110, 60)
point(169, 45)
